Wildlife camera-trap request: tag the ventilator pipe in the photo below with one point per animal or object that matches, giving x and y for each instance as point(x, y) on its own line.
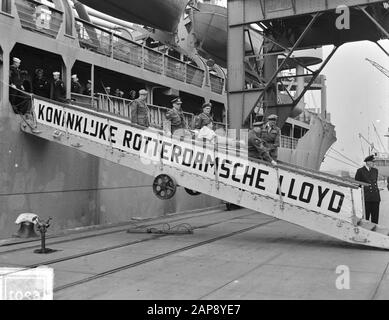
point(27, 224)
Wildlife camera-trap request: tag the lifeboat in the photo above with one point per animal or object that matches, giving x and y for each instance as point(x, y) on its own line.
point(164, 15)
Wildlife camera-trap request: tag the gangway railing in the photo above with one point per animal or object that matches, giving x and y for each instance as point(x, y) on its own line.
point(317, 201)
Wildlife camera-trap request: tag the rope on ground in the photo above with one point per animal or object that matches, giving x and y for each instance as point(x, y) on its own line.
point(182, 228)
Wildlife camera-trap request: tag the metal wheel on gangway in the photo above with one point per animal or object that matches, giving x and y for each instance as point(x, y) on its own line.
point(164, 187)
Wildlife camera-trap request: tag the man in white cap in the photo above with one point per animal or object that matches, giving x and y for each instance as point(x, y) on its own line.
point(15, 80)
point(140, 112)
point(256, 145)
point(57, 88)
point(75, 85)
point(369, 174)
point(271, 135)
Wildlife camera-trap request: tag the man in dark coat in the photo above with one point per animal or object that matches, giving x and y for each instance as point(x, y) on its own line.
point(369, 174)
point(40, 86)
point(271, 135)
point(256, 146)
point(176, 117)
point(204, 118)
point(140, 112)
point(57, 89)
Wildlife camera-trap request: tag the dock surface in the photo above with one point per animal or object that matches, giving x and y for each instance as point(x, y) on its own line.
point(237, 254)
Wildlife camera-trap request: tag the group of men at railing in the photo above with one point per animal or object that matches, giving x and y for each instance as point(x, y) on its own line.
point(20, 81)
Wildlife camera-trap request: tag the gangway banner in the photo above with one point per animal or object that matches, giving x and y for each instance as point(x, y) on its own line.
point(152, 147)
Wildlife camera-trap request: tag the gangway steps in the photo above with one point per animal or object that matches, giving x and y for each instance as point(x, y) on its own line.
point(367, 225)
point(318, 203)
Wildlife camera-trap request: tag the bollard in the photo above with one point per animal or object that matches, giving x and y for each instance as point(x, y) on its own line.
point(42, 228)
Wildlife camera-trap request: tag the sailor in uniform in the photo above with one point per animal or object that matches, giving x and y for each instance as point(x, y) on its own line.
point(369, 174)
point(57, 89)
point(76, 86)
point(204, 118)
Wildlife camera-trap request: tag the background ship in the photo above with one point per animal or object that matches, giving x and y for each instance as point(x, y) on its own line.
point(81, 190)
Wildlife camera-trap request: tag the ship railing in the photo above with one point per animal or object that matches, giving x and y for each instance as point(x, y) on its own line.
point(37, 17)
point(217, 83)
point(94, 38)
point(100, 40)
point(194, 75)
point(175, 68)
point(123, 107)
point(84, 100)
point(288, 142)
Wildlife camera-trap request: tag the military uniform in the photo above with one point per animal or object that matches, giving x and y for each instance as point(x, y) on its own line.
point(271, 136)
point(202, 120)
point(76, 87)
point(140, 113)
point(15, 97)
point(58, 91)
point(256, 147)
point(371, 192)
point(41, 87)
point(15, 77)
point(176, 119)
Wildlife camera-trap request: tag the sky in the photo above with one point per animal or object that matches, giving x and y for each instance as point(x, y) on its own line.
point(357, 97)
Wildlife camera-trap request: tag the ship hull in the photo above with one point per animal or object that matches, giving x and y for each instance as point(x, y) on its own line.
point(73, 188)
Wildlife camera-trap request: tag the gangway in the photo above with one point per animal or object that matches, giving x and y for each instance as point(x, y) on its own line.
point(314, 200)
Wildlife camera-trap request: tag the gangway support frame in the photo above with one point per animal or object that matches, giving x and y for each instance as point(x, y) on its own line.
point(352, 230)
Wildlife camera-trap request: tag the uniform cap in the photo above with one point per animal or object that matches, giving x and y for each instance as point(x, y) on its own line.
point(90, 81)
point(56, 73)
point(74, 76)
point(369, 158)
point(258, 124)
point(108, 88)
point(272, 117)
point(177, 100)
point(207, 104)
point(16, 60)
point(142, 91)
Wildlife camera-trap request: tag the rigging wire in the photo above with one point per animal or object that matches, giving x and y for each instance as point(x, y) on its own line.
point(342, 155)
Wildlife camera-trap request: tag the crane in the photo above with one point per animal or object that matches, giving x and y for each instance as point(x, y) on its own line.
point(379, 67)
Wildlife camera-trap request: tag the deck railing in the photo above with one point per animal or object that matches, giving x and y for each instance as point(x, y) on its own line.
point(38, 17)
point(217, 84)
point(288, 142)
point(100, 40)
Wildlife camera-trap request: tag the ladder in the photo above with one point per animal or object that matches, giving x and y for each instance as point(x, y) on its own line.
point(314, 200)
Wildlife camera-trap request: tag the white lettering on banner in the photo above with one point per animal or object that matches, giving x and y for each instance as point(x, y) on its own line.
point(152, 148)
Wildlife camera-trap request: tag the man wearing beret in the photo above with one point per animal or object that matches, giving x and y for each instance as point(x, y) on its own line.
point(140, 113)
point(204, 118)
point(271, 135)
point(369, 174)
point(256, 147)
point(176, 116)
